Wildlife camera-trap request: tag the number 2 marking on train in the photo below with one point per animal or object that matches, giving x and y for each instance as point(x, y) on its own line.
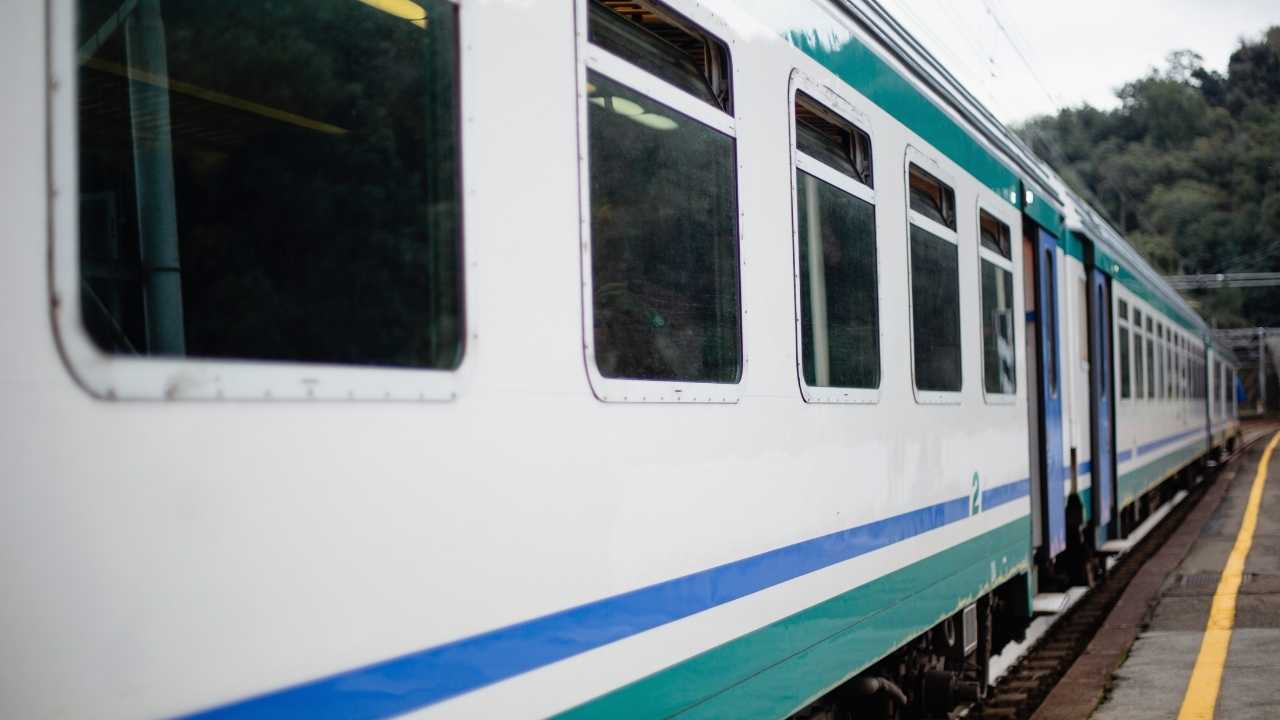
point(975, 495)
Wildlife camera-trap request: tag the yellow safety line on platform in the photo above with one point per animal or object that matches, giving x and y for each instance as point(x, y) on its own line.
point(1206, 678)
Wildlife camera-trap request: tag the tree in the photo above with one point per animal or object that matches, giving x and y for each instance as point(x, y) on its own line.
point(1188, 168)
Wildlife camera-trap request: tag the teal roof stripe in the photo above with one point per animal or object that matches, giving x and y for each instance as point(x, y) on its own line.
point(864, 71)
point(1120, 272)
point(1045, 215)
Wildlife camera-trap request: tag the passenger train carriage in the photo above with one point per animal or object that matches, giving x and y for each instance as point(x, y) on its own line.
point(598, 359)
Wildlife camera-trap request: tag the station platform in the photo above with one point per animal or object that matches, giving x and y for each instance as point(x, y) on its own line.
point(1211, 647)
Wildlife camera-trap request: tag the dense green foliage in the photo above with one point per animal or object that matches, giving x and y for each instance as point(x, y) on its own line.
point(1188, 168)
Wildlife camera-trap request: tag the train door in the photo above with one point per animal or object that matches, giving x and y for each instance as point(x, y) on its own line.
point(1102, 419)
point(1045, 414)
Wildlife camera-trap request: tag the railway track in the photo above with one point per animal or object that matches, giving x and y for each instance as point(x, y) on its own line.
point(1029, 681)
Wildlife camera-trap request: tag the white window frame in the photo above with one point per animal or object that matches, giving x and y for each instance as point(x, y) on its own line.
point(1118, 297)
point(1003, 214)
point(930, 164)
point(123, 377)
point(597, 59)
point(831, 101)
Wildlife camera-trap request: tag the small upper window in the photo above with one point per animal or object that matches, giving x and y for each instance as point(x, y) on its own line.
point(271, 181)
point(658, 40)
point(1124, 310)
point(828, 138)
point(995, 235)
point(932, 198)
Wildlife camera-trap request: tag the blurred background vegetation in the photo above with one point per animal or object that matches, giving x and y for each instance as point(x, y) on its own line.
point(1188, 169)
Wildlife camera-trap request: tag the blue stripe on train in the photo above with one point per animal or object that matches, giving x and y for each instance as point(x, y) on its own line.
point(429, 676)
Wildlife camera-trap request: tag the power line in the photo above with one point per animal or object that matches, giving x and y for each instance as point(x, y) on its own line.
point(995, 17)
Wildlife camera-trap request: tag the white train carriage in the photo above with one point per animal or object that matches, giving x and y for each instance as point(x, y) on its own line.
point(604, 358)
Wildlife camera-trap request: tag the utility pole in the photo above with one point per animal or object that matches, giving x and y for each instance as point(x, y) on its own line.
point(153, 173)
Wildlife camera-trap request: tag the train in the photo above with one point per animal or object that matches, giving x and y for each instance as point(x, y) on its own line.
point(603, 358)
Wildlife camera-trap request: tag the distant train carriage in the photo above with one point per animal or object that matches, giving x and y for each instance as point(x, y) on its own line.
point(614, 358)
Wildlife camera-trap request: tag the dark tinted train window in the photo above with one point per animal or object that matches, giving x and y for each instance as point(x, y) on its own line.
point(1138, 382)
point(271, 181)
point(1125, 389)
point(1051, 317)
point(935, 311)
point(840, 336)
point(826, 137)
point(664, 244)
point(1217, 388)
point(1151, 361)
point(994, 234)
point(998, 357)
point(932, 198)
point(663, 43)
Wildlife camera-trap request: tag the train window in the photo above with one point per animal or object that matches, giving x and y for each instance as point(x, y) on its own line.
point(1123, 310)
point(1161, 368)
point(1217, 388)
point(657, 40)
point(1183, 374)
point(831, 140)
point(664, 246)
point(1223, 394)
point(836, 253)
point(1138, 386)
point(994, 235)
point(661, 187)
point(1151, 360)
point(1232, 395)
point(1125, 388)
point(932, 198)
point(935, 308)
point(935, 283)
point(241, 201)
point(999, 360)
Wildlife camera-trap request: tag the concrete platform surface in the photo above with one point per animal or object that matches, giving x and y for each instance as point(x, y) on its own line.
point(1152, 681)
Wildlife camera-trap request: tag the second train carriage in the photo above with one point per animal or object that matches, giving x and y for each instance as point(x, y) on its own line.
point(744, 354)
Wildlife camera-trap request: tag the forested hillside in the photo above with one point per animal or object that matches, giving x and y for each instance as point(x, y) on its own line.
point(1188, 168)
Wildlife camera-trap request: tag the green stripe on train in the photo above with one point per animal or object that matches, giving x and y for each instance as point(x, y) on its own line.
point(1136, 482)
point(864, 71)
point(774, 670)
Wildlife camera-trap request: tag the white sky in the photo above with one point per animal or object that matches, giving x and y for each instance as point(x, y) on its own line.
point(1081, 50)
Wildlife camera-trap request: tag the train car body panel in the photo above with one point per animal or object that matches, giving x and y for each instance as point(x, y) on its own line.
point(520, 535)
